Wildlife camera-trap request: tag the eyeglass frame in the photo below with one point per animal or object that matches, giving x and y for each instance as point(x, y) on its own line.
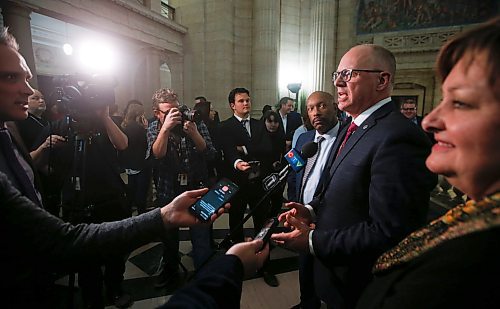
point(157, 109)
point(336, 74)
point(407, 109)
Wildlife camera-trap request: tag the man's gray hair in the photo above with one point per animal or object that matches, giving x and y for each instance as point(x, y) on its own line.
point(8, 39)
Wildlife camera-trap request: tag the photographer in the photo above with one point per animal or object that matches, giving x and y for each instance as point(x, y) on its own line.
point(36, 244)
point(132, 159)
point(181, 143)
point(88, 176)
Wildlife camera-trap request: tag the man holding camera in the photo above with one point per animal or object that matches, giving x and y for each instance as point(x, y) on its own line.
point(84, 169)
point(181, 143)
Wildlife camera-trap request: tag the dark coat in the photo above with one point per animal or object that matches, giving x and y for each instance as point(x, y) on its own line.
point(459, 273)
point(374, 193)
point(294, 120)
point(36, 244)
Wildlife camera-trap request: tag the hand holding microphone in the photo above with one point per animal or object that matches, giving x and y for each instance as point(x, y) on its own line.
point(296, 161)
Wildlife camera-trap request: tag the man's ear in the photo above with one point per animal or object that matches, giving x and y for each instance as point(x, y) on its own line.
point(231, 105)
point(384, 80)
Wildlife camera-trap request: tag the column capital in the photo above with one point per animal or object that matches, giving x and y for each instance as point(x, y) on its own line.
point(10, 8)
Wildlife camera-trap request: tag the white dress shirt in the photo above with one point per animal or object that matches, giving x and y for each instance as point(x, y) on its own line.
point(322, 157)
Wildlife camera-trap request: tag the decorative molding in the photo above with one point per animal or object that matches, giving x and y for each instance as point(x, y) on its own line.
point(411, 42)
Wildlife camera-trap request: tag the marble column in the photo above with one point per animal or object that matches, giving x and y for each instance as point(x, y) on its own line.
point(152, 71)
point(265, 52)
point(17, 18)
point(175, 63)
point(323, 29)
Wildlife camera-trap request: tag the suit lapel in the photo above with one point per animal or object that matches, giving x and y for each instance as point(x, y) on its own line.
point(254, 128)
point(367, 125)
point(239, 127)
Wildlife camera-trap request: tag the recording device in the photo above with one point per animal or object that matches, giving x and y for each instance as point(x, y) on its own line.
point(214, 199)
point(254, 171)
point(267, 230)
point(189, 114)
point(82, 93)
point(296, 161)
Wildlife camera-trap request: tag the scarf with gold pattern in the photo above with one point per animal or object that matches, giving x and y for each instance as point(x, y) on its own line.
point(459, 221)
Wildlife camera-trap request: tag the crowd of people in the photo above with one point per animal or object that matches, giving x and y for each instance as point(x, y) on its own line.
point(356, 213)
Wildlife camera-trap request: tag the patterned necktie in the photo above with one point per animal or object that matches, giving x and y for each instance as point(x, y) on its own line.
point(350, 130)
point(244, 124)
point(311, 162)
point(26, 186)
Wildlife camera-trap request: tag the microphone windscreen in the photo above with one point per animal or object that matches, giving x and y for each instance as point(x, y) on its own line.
point(309, 149)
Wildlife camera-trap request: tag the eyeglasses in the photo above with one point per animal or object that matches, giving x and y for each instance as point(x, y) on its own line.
point(409, 109)
point(346, 74)
point(163, 112)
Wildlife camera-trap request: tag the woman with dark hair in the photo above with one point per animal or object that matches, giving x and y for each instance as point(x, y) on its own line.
point(132, 159)
point(453, 262)
point(266, 108)
point(277, 151)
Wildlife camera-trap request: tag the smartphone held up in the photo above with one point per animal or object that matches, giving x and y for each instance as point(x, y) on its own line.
point(214, 199)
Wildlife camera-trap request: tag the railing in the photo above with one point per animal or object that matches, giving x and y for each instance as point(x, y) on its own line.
point(167, 11)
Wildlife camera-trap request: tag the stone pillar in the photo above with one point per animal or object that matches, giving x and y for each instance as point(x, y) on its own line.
point(152, 71)
point(323, 29)
point(265, 50)
point(175, 63)
point(17, 18)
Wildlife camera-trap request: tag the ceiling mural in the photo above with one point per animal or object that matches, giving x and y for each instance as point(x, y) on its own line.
point(398, 15)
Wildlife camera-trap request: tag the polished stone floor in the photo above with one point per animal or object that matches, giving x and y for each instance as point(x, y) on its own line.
point(142, 269)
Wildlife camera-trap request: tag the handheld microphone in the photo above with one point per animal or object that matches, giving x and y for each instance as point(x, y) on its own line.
point(296, 160)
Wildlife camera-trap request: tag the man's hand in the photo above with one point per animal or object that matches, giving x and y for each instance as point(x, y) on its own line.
point(176, 213)
point(250, 256)
point(172, 119)
point(53, 141)
point(190, 128)
point(298, 238)
point(103, 112)
point(298, 211)
point(243, 166)
point(142, 120)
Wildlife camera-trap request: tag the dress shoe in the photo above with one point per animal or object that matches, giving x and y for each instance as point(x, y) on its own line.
point(270, 279)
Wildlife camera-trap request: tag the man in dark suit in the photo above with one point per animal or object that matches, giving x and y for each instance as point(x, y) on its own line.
point(376, 188)
point(322, 112)
point(15, 160)
point(244, 148)
point(289, 119)
point(409, 110)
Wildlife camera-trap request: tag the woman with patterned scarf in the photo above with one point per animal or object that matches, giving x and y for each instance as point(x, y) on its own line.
point(454, 261)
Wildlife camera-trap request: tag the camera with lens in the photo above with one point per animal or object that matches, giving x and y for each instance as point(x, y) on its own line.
point(82, 93)
point(189, 114)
